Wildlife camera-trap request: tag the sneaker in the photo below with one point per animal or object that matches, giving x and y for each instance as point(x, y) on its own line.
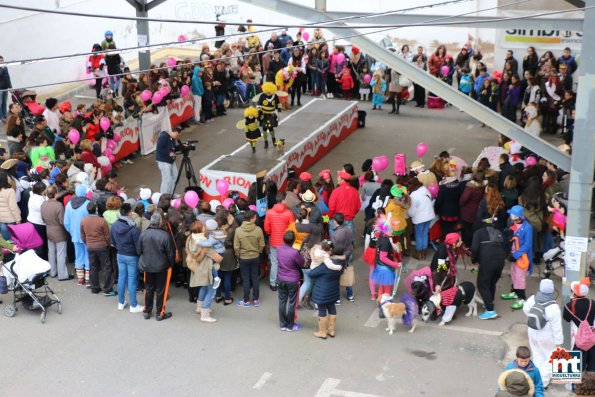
point(273, 287)
point(164, 316)
point(351, 299)
point(110, 293)
point(121, 306)
point(243, 304)
point(517, 305)
point(296, 327)
point(137, 309)
point(283, 329)
point(338, 302)
point(147, 315)
point(487, 315)
point(509, 296)
point(256, 302)
point(216, 282)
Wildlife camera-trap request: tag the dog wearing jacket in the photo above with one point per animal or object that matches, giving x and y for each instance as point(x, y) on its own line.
point(406, 308)
point(449, 300)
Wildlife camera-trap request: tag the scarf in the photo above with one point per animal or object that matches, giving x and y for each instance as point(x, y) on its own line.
point(127, 219)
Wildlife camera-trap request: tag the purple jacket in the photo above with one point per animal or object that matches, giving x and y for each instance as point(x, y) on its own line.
point(290, 262)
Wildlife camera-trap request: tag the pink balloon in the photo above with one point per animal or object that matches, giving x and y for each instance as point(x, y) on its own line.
point(378, 164)
point(367, 79)
point(421, 149)
point(146, 95)
point(111, 158)
point(191, 198)
point(181, 38)
point(74, 136)
point(434, 189)
point(227, 202)
point(157, 97)
point(117, 138)
point(164, 91)
point(222, 186)
point(171, 62)
point(185, 90)
point(444, 70)
point(107, 152)
point(384, 160)
point(176, 203)
point(530, 161)
point(340, 58)
point(106, 168)
point(111, 144)
point(253, 207)
point(400, 164)
point(104, 123)
point(306, 36)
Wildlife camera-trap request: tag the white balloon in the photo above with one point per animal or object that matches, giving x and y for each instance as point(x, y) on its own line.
point(214, 204)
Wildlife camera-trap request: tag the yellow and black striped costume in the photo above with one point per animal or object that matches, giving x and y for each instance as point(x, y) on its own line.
point(251, 129)
point(267, 105)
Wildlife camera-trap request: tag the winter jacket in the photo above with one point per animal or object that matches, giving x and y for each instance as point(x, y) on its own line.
point(533, 373)
point(165, 145)
point(524, 232)
point(248, 241)
point(315, 216)
point(398, 211)
point(156, 250)
point(344, 199)
point(276, 222)
point(9, 209)
point(4, 78)
point(469, 201)
point(52, 213)
point(199, 262)
point(230, 260)
point(421, 209)
point(95, 232)
point(487, 248)
point(483, 213)
point(292, 200)
point(447, 202)
point(478, 86)
point(290, 262)
point(197, 87)
point(125, 236)
point(506, 169)
point(326, 286)
point(75, 211)
point(570, 62)
point(515, 382)
point(343, 237)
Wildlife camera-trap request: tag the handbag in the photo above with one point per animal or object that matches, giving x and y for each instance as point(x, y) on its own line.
point(404, 81)
point(347, 277)
point(305, 252)
point(178, 256)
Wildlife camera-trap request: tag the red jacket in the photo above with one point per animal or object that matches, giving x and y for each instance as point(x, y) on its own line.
point(89, 157)
point(346, 82)
point(276, 222)
point(344, 199)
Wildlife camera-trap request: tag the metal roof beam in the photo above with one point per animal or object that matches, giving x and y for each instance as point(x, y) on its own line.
point(471, 107)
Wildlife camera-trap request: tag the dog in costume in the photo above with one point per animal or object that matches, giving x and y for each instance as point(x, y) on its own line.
point(284, 80)
point(268, 106)
point(251, 127)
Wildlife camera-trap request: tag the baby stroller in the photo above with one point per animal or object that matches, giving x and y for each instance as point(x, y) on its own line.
point(26, 278)
point(239, 94)
point(29, 107)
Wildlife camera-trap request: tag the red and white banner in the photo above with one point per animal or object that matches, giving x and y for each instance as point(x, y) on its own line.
point(180, 110)
point(151, 126)
point(239, 182)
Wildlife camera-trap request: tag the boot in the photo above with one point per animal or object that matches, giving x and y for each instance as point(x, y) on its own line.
point(80, 276)
point(87, 279)
point(332, 320)
point(253, 149)
point(198, 306)
point(205, 316)
point(266, 144)
point(322, 325)
point(274, 140)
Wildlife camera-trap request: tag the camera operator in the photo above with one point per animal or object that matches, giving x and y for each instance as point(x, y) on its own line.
point(166, 158)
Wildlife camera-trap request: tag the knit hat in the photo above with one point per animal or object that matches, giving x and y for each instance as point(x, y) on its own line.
point(452, 238)
point(156, 219)
point(416, 165)
point(580, 288)
point(81, 190)
point(546, 286)
point(305, 176)
point(82, 178)
point(155, 198)
point(308, 196)
point(145, 194)
point(325, 174)
point(344, 175)
point(212, 224)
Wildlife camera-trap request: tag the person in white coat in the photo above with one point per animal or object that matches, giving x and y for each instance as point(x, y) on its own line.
point(421, 213)
point(545, 340)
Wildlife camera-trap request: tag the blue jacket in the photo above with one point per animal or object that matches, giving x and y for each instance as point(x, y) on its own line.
point(283, 39)
point(570, 62)
point(285, 56)
point(76, 210)
point(478, 87)
point(165, 145)
point(197, 87)
point(525, 235)
point(124, 235)
point(533, 372)
point(326, 287)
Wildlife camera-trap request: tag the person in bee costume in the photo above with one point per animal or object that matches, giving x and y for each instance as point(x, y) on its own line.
point(251, 129)
point(269, 105)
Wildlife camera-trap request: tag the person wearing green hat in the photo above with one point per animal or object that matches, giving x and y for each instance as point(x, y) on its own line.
point(397, 208)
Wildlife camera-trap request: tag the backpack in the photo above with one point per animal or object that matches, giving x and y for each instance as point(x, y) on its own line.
point(465, 84)
point(536, 317)
point(584, 338)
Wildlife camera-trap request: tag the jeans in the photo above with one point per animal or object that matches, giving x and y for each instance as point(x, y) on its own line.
point(274, 266)
point(287, 295)
point(197, 107)
point(100, 263)
point(219, 100)
point(57, 259)
point(327, 307)
point(307, 285)
point(422, 231)
point(169, 174)
point(321, 82)
point(349, 291)
point(249, 270)
point(225, 286)
point(114, 84)
point(4, 231)
point(205, 295)
point(81, 256)
point(127, 276)
point(3, 104)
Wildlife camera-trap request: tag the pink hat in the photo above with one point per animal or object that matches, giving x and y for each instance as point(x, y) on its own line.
point(305, 176)
point(452, 238)
point(530, 161)
point(344, 175)
point(325, 174)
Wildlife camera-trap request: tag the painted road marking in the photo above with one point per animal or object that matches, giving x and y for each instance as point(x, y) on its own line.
point(329, 388)
point(263, 379)
point(221, 131)
point(373, 320)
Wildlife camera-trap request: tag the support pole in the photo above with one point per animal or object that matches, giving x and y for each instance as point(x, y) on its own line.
point(320, 5)
point(142, 31)
point(582, 160)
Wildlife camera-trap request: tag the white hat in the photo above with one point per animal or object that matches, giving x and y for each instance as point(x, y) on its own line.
point(308, 196)
point(212, 224)
point(155, 198)
point(546, 286)
point(145, 193)
point(82, 178)
point(88, 167)
point(214, 204)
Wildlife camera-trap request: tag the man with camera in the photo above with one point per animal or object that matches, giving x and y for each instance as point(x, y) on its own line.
point(166, 158)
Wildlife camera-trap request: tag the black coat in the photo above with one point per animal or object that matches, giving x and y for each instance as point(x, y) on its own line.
point(4, 79)
point(488, 247)
point(506, 169)
point(326, 287)
point(156, 251)
point(447, 202)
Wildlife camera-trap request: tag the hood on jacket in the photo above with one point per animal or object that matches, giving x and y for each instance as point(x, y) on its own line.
point(279, 208)
point(125, 228)
point(196, 71)
point(77, 202)
point(474, 185)
point(248, 226)
point(516, 382)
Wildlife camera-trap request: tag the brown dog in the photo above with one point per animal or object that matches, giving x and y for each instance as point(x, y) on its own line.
point(392, 311)
point(280, 144)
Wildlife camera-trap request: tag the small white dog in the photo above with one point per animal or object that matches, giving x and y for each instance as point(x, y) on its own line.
point(406, 309)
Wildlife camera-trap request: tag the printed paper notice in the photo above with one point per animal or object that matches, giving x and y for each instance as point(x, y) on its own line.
point(142, 40)
point(572, 260)
point(580, 244)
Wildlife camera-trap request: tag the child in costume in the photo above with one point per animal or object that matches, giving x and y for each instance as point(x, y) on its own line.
point(378, 88)
point(251, 127)
point(284, 80)
point(269, 105)
point(558, 210)
point(346, 82)
point(386, 264)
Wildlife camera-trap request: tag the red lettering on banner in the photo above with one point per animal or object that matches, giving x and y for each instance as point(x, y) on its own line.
point(205, 181)
point(238, 181)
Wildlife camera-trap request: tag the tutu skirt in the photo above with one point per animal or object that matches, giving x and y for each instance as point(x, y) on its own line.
point(383, 275)
point(369, 256)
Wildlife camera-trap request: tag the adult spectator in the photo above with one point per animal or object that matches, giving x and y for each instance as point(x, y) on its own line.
point(125, 235)
point(291, 195)
point(228, 265)
point(9, 209)
point(492, 208)
point(274, 40)
point(447, 203)
point(343, 237)
point(95, 234)
point(36, 199)
point(514, 64)
point(568, 60)
point(290, 263)
point(531, 62)
point(166, 159)
point(344, 199)
point(15, 129)
point(276, 221)
point(219, 31)
point(4, 85)
point(52, 213)
point(581, 308)
point(156, 257)
point(421, 213)
point(204, 212)
point(284, 38)
point(197, 92)
point(506, 169)
point(437, 60)
point(472, 195)
point(248, 243)
point(75, 211)
point(52, 117)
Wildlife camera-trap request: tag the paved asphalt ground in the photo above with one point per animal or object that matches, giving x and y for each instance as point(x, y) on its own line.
point(92, 349)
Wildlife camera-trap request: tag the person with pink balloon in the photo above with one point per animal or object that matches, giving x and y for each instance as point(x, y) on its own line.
point(165, 155)
point(364, 83)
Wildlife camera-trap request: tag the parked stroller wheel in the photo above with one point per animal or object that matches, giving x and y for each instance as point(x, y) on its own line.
point(42, 317)
point(59, 308)
point(10, 310)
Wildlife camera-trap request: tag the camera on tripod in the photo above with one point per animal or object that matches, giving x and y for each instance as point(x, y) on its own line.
point(186, 147)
